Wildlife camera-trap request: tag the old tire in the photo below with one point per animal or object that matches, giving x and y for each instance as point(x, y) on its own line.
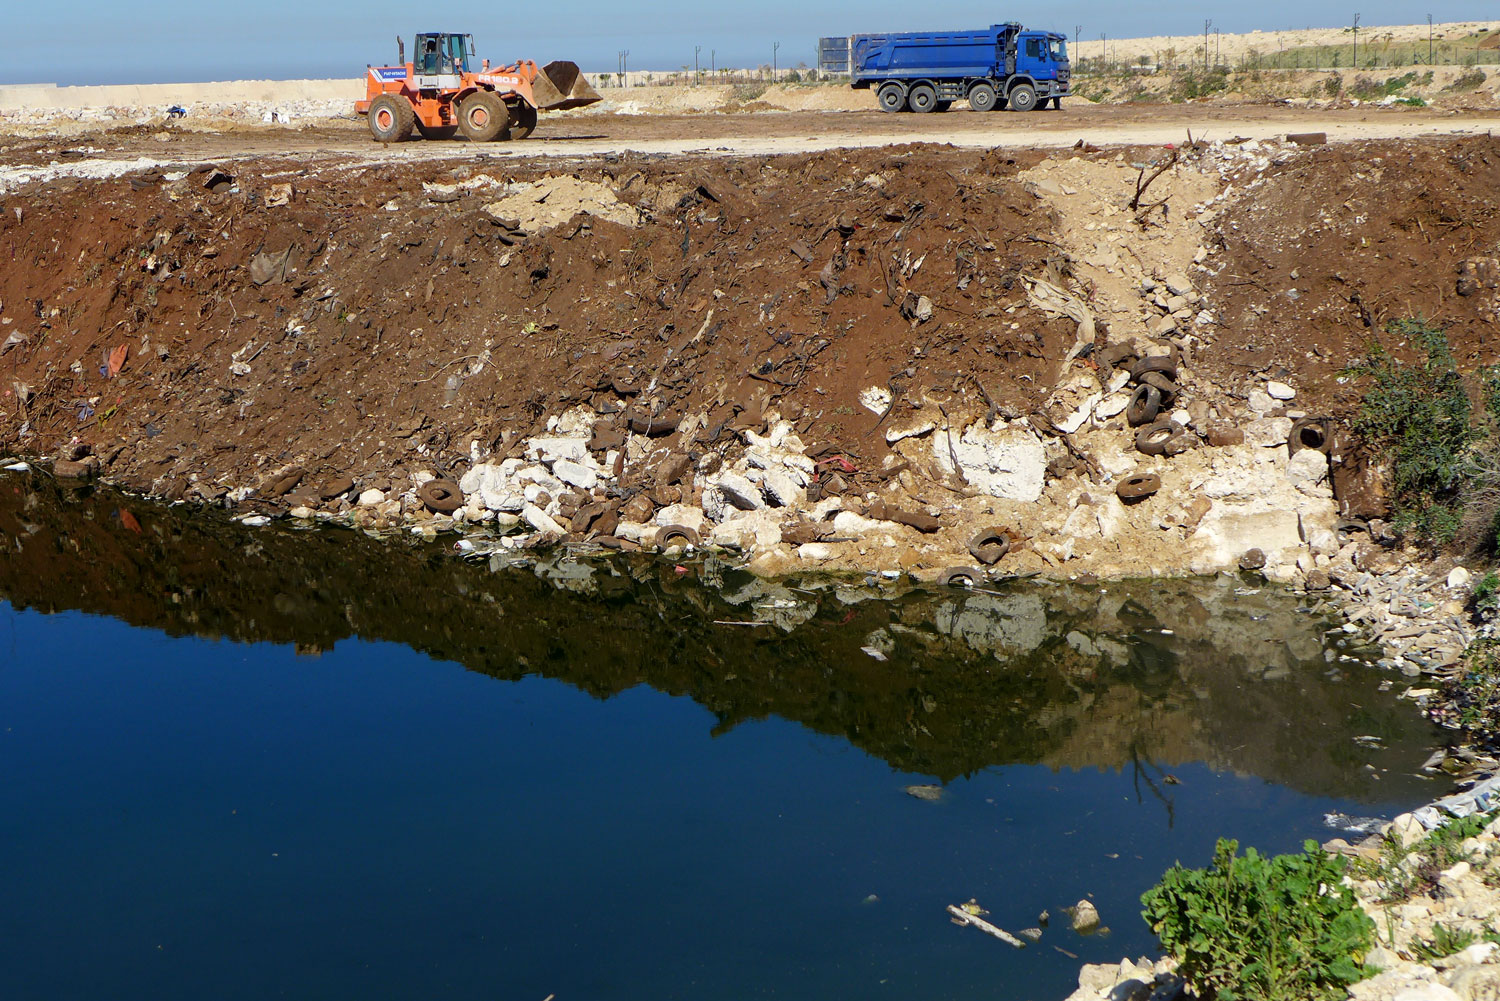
point(1161, 438)
point(483, 117)
point(1165, 364)
point(1169, 389)
point(922, 99)
point(437, 133)
point(668, 535)
point(1144, 405)
point(523, 119)
point(1138, 487)
point(982, 97)
point(442, 496)
point(960, 577)
point(391, 119)
point(1022, 97)
point(891, 98)
point(1315, 433)
point(989, 546)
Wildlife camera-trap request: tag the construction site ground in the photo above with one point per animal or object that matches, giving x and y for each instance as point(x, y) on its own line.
point(878, 306)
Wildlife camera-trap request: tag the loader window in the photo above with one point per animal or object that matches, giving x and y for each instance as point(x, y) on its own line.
point(427, 62)
point(456, 52)
point(1059, 50)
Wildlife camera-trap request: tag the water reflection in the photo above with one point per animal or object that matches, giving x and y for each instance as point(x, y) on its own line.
point(1142, 676)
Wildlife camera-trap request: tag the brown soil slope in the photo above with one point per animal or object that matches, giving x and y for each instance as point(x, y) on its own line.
point(370, 324)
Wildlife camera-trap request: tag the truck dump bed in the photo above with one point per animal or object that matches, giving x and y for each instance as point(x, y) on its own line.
point(939, 54)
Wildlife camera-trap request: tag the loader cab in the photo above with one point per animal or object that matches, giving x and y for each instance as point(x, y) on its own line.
point(439, 60)
point(1043, 56)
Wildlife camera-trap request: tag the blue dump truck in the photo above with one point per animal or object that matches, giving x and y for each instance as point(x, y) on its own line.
point(1003, 66)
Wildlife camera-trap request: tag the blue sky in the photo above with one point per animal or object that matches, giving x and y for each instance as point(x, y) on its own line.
point(94, 41)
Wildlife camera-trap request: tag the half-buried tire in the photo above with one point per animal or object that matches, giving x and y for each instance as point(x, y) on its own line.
point(442, 496)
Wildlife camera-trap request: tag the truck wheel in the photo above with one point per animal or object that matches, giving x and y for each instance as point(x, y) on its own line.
point(982, 97)
point(483, 117)
point(524, 117)
point(391, 118)
point(1023, 97)
point(891, 97)
point(437, 133)
point(922, 98)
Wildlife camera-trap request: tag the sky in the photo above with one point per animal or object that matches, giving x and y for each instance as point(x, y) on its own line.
point(171, 41)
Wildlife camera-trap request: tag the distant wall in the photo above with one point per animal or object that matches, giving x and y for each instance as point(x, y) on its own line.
point(46, 95)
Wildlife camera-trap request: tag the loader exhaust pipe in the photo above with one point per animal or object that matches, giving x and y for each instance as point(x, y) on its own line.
point(561, 85)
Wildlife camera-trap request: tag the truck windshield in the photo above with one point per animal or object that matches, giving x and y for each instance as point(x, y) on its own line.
point(1059, 50)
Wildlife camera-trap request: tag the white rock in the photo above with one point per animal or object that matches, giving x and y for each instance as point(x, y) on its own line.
point(815, 551)
point(1307, 469)
point(783, 489)
point(302, 512)
point(1268, 432)
point(681, 514)
point(549, 450)
point(760, 529)
point(1009, 463)
point(875, 399)
point(1071, 422)
point(369, 498)
point(575, 474)
point(1458, 578)
point(1111, 406)
point(541, 521)
point(1280, 391)
point(1260, 401)
point(851, 524)
point(739, 491)
point(914, 428)
point(1178, 284)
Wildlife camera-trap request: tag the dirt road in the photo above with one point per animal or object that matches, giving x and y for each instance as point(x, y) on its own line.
point(772, 133)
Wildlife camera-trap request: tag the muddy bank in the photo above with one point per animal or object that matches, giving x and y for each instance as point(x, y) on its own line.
point(912, 359)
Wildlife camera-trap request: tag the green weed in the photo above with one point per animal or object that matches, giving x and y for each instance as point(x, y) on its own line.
point(1262, 929)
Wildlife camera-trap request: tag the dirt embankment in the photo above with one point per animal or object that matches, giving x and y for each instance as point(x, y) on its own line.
point(843, 359)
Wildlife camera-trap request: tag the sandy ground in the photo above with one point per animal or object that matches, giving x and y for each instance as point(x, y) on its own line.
point(745, 134)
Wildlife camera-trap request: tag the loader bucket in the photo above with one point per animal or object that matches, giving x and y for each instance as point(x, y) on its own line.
point(561, 85)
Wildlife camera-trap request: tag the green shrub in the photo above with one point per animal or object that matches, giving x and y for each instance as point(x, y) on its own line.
point(1472, 80)
point(1262, 929)
point(1422, 411)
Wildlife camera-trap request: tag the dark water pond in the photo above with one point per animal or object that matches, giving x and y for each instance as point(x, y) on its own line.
point(265, 763)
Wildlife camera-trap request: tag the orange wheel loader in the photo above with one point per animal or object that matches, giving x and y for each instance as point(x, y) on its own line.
point(440, 94)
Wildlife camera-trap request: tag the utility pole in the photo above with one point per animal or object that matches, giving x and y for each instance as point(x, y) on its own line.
point(1356, 42)
point(1207, 23)
point(1104, 49)
point(774, 49)
point(1218, 37)
point(713, 62)
point(1077, 30)
point(1429, 39)
point(697, 77)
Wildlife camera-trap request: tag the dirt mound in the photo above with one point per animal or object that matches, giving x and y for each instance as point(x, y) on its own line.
point(371, 326)
point(1325, 249)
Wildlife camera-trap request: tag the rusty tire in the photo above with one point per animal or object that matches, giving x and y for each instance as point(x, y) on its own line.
point(989, 546)
point(391, 119)
point(1169, 389)
point(1137, 487)
point(442, 496)
point(1315, 433)
point(960, 577)
point(666, 535)
point(1165, 364)
point(1145, 404)
point(1161, 438)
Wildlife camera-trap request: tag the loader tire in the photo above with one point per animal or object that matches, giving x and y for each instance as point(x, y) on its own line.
point(391, 119)
point(891, 98)
point(523, 120)
point(922, 99)
point(1023, 97)
point(437, 133)
point(483, 117)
